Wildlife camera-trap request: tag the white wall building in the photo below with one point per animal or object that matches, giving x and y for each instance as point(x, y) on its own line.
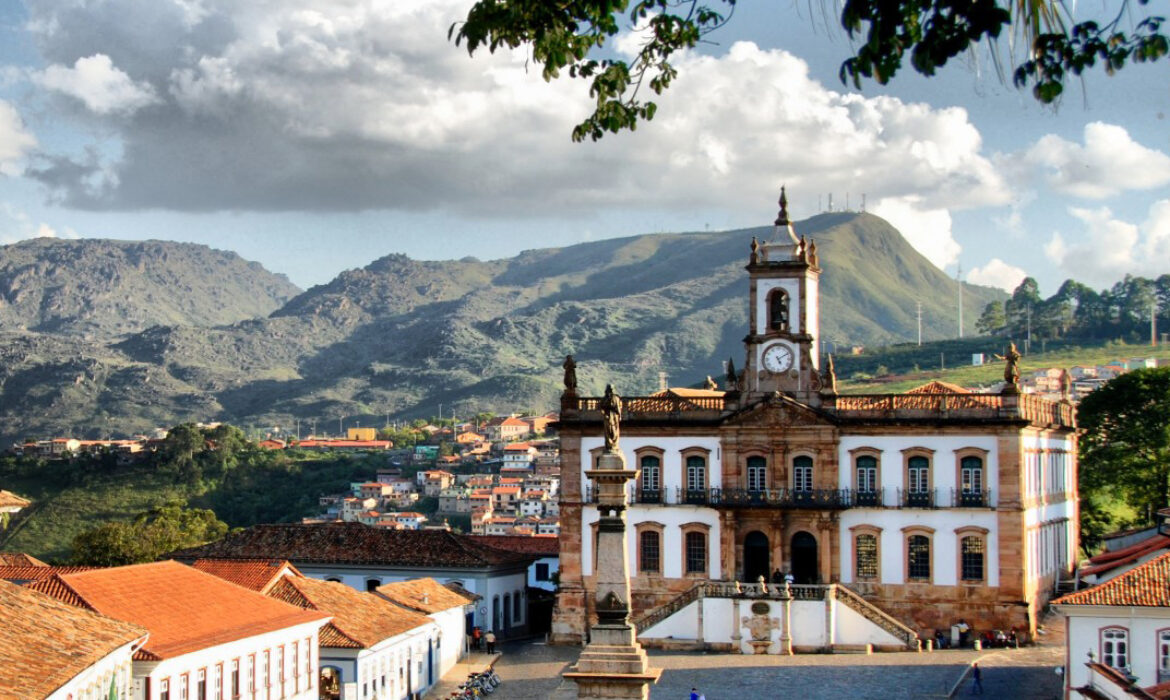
point(449, 611)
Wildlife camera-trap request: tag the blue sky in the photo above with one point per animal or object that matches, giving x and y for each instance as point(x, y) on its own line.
point(315, 136)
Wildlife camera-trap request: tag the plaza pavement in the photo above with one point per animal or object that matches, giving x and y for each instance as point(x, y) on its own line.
point(532, 670)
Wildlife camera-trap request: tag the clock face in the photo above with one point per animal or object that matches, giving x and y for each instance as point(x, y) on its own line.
point(778, 358)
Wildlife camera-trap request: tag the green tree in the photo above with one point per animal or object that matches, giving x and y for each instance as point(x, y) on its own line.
point(151, 535)
point(992, 320)
point(1019, 309)
point(1126, 441)
point(571, 36)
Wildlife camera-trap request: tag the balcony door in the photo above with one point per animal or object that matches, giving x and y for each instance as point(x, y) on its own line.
point(756, 557)
point(804, 558)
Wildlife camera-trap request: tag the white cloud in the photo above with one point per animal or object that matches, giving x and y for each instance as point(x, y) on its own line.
point(16, 225)
point(96, 82)
point(363, 104)
point(1107, 163)
point(1109, 247)
point(15, 140)
point(997, 273)
point(928, 230)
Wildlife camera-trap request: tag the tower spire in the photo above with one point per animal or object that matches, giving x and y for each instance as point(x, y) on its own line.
point(782, 218)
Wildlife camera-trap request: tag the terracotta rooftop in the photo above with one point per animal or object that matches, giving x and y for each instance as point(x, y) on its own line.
point(27, 574)
point(11, 500)
point(686, 393)
point(1107, 561)
point(254, 574)
point(937, 387)
point(47, 642)
point(425, 595)
point(354, 543)
point(19, 559)
point(360, 620)
point(183, 609)
point(541, 545)
point(1146, 585)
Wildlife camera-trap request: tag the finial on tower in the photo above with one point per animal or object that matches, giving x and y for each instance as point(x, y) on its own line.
point(782, 218)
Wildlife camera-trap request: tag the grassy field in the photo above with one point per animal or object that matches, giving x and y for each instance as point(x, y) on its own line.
point(988, 374)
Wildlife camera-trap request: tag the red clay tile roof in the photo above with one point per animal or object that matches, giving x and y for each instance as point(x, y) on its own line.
point(47, 642)
point(1146, 585)
point(355, 543)
point(254, 574)
point(540, 545)
point(27, 574)
point(360, 620)
point(1107, 561)
point(426, 595)
point(937, 387)
point(19, 559)
point(183, 609)
point(11, 500)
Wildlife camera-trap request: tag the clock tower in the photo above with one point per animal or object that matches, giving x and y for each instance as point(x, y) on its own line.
point(782, 350)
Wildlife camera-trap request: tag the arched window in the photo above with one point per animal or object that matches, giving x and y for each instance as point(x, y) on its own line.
point(802, 473)
point(696, 473)
point(866, 474)
point(1115, 647)
point(778, 310)
point(650, 552)
point(971, 474)
point(651, 479)
point(696, 552)
point(918, 558)
point(971, 551)
point(757, 474)
point(865, 551)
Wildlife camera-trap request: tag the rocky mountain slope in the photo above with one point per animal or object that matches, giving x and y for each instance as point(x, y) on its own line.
point(403, 336)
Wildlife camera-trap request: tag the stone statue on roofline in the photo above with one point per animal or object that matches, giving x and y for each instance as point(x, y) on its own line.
point(1011, 370)
point(611, 418)
point(570, 367)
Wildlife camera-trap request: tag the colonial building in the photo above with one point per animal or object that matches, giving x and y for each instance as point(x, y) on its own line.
point(933, 505)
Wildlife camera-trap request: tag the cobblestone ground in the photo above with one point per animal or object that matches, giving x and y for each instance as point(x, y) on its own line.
point(532, 670)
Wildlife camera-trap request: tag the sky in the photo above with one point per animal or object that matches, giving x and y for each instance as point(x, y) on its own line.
point(314, 136)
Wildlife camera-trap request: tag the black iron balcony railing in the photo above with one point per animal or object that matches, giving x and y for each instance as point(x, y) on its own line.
point(869, 498)
point(649, 496)
point(916, 499)
point(782, 498)
point(968, 498)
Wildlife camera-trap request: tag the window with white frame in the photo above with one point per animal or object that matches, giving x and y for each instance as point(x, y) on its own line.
point(757, 473)
point(802, 473)
point(971, 474)
point(696, 473)
point(866, 466)
point(651, 473)
point(1163, 656)
point(918, 474)
point(1115, 647)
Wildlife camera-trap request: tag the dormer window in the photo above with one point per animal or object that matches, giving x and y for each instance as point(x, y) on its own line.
point(778, 310)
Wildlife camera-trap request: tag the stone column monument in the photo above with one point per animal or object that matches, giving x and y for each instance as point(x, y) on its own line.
point(613, 664)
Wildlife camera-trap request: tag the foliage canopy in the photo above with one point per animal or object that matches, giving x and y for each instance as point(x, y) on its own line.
point(572, 35)
point(148, 537)
point(1126, 442)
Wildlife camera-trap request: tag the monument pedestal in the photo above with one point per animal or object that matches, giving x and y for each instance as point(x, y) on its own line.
point(613, 664)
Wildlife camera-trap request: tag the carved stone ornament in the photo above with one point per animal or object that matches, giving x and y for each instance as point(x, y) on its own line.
point(611, 418)
point(760, 626)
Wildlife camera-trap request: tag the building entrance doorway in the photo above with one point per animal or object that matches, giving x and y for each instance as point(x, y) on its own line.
point(756, 557)
point(804, 558)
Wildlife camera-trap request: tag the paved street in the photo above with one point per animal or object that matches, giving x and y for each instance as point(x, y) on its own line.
point(531, 670)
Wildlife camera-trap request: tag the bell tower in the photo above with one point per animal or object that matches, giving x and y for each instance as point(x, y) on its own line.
point(782, 350)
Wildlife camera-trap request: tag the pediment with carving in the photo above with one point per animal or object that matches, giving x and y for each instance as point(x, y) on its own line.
point(778, 411)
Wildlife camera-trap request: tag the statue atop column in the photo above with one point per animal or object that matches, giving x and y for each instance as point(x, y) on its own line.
point(611, 418)
point(1011, 369)
point(570, 375)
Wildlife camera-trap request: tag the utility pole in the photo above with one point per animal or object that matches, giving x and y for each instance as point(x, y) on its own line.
point(1154, 323)
point(1028, 342)
point(919, 323)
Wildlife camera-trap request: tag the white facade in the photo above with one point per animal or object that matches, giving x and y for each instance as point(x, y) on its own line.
point(94, 682)
point(542, 571)
point(1136, 639)
point(281, 664)
point(393, 668)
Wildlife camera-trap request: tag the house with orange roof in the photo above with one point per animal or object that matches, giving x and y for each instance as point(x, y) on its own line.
point(58, 651)
point(452, 612)
point(504, 498)
point(518, 455)
point(19, 559)
point(506, 429)
point(370, 648)
point(10, 504)
point(258, 575)
point(207, 637)
point(1118, 634)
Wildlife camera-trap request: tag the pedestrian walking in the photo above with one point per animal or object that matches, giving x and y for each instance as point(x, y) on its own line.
point(695, 694)
point(476, 638)
point(490, 638)
point(976, 679)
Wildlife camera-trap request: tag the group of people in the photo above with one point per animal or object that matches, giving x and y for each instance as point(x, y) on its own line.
point(989, 639)
point(479, 639)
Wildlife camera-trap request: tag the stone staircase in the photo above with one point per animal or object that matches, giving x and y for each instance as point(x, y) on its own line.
point(876, 615)
point(670, 607)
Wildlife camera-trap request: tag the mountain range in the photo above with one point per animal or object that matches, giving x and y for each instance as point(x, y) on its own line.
point(102, 337)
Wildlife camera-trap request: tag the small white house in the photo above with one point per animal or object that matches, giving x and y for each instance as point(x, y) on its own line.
point(207, 637)
point(448, 609)
point(1119, 633)
point(55, 650)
